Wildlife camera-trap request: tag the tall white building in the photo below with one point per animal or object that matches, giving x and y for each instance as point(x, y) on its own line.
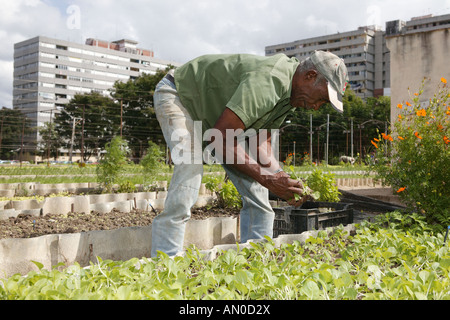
point(363, 50)
point(49, 72)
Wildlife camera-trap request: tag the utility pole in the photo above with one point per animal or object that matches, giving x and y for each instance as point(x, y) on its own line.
point(73, 137)
point(310, 138)
point(121, 116)
point(328, 134)
point(48, 143)
point(1, 136)
point(294, 153)
point(82, 136)
point(352, 135)
point(21, 148)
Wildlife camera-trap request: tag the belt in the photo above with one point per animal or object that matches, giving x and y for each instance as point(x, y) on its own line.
point(170, 78)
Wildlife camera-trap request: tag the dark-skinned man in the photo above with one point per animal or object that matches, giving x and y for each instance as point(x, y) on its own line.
point(230, 101)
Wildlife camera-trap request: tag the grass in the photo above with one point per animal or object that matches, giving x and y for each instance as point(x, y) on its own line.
point(74, 174)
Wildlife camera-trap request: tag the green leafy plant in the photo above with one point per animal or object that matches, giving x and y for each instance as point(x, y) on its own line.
point(307, 191)
point(324, 184)
point(227, 194)
point(112, 165)
point(373, 263)
point(151, 164)
point(414, 159)
point(126, 187)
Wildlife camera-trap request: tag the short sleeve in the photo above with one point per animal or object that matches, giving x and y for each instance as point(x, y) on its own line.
point(255, 97)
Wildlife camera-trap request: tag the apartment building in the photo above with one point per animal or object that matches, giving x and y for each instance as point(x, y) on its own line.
point(364, 51)
point(49, 72)
point(419, 49)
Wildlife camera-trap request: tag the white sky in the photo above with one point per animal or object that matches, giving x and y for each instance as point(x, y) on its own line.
point(180, 30)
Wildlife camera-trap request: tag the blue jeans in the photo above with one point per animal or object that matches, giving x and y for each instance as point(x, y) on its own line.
point(168, 228)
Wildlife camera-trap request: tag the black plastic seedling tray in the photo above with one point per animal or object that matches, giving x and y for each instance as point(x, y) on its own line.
point(311, 216)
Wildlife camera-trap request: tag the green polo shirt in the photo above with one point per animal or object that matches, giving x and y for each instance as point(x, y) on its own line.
point(256, 88)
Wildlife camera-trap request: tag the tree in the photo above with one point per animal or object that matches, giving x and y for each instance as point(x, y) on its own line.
point(367, 115)
point(139, 120)
point(13, 125)
point(97, 118)
point(151, 164)
point(111, 166)
point(51, 141)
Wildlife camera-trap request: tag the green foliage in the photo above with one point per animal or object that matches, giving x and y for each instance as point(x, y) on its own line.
point(324, 184)
point(136, 98)
point(97, 114)
point(151, 164)
point(12, 123)
point(212, 182)
point(227, 194)
point(111, 166)
point(51, 141)
point(126, 187)
point(413, 223)
point(372, 264)
point(373, 112)
point(415, 158)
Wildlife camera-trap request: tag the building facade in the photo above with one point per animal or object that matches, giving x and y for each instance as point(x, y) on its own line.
point(49, 72)
point(364, 51)
point(419, 49)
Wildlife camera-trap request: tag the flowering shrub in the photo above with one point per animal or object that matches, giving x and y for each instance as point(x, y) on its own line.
point(415, 158)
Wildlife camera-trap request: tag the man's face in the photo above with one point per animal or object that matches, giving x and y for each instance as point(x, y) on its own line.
point(308, 94)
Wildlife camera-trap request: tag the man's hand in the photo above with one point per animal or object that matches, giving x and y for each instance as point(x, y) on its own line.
point(286, 188)
point(280, 183)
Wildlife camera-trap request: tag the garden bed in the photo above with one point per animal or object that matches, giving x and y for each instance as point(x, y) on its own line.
point(27, 226)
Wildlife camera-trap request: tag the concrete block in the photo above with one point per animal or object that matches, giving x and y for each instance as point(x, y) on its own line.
point(8, 186)
point(161, 194)
point(57, 205)
point(4, 204)
point(26, 204)
point(7, 193)
point(81, 204)
point(213, 231)
point(8, 213)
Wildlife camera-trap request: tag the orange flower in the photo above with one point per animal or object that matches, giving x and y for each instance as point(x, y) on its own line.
point(400, 106)
point(387, 137)
point(417, 135)
point(443, 80)
point(401, 138)
point(377, 140)
point(421, 113)
point(401, 189)
point(440, 127)
point(376, 146)
point(446, 140)
point(400, 117)
point(408, 104)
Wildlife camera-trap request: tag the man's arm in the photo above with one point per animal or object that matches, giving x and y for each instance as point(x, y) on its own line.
point(280, 183)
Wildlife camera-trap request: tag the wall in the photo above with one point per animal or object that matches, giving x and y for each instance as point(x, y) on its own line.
point(415, 56)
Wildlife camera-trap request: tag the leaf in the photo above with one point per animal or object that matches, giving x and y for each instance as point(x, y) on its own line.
point(241, 276)
point(38, 264)
point(420, 296)
point(351, 293)
point(310, 289)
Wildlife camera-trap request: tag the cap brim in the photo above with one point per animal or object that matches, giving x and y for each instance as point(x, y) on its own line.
point(335, 98)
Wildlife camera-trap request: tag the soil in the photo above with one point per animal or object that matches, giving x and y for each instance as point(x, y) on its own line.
point(26, 226)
